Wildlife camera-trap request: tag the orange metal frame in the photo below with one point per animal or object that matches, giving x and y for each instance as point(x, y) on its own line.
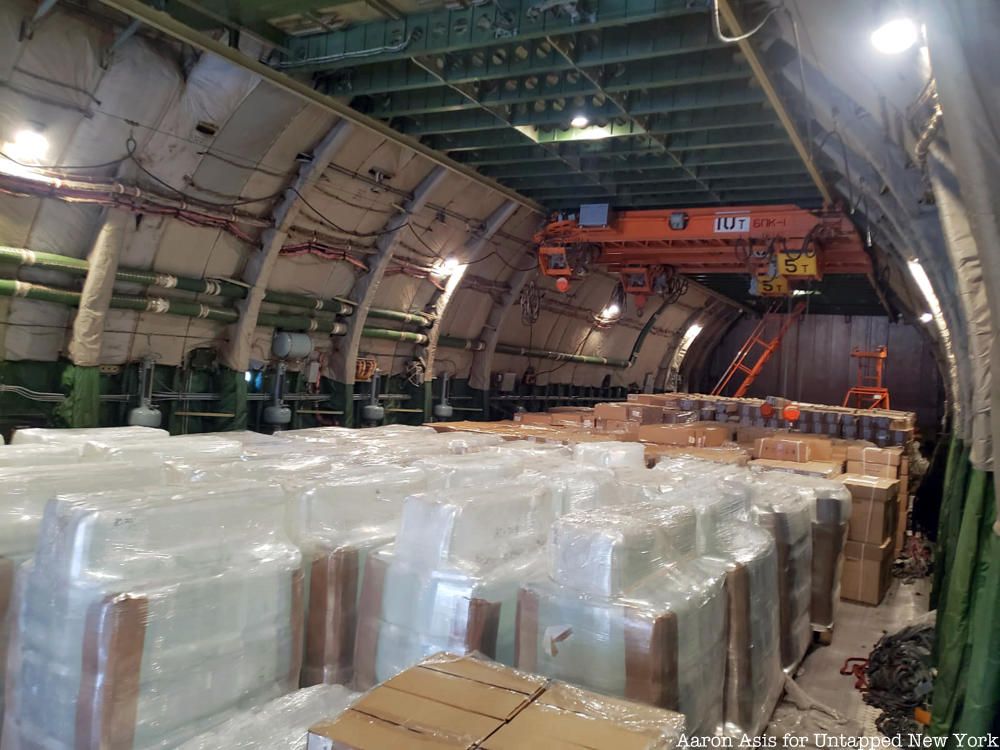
point(767, 348)
point(869, 392)
point(709, 240)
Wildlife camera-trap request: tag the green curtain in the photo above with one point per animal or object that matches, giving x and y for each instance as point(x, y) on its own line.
point(233, 398)
point(967, 593)
point(82, 406)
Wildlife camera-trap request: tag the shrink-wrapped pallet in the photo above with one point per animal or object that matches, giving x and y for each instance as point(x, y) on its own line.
point(142, 622)
point(281, 724)
point(450, 580)
point(39, 454)
point(576, 487)
point(469, 470)
point(612, 454)
point(628, 609)
point(754, 678)
point(787, 514)
point(831, 516)
point(180, 448)
point(338, 522)
point(59, 436)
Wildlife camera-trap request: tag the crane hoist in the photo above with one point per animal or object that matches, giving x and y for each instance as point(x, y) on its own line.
point(778, 246)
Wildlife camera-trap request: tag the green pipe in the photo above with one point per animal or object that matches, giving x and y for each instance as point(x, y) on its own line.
point(388, 334)
point(641, 338)
point(403, 317)
point(78, 267)
point(163, 306)
point(583, 359)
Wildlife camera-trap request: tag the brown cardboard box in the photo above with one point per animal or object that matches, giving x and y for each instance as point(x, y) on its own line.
point(694, 435)
point(450, 702)
point(612, 410)
point(677, 416)
point(617, 426)
point(820, 448)
point(783, 449)
point(872, 520)
point(645, 413)
point(749, 435)
point(867, 571)
point(573, 419)
point(585, 410)
point(875, 455)
point(870, 488)
point(823, 469)
point(656, 399)
point(332, 619)
point(885, 471)
point(528, 417)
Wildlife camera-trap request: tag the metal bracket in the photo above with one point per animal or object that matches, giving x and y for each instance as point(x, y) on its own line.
point(28, 25)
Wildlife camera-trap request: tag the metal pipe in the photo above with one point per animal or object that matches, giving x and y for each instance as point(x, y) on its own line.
point(419, 319)
point(163, 306)
point(387, 334)
point(220, 288)
point(583, 359)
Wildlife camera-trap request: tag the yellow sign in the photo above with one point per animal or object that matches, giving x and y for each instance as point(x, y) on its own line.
point(776, 287)
point(797, 265)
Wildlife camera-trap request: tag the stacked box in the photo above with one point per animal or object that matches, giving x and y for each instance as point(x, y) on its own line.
point(452, 702)
point(787, 513)
point(628, 609)
point(610, 455)
point(143, 621)
point(450, 580)
point(338, 523)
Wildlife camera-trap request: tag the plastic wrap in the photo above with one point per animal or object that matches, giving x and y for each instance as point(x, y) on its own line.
point(662, 642)
point(34, 435)
point(611, 454)
point(787, 513)
point(754, 678)
point(338, 522)
point(450, 581)
point(451, 701)
point(471, 442)
point(142, 622)
point(181, 448)
point(39, 454)
point(470, 470)
point(281, 724)
point(576, 487)
point(288, 469)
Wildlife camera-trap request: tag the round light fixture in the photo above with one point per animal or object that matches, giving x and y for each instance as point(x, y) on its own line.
point(29, 146)
point(580, 121)
point(611, 311)
point(895, 35)
point(446, 268)
point(926, 317)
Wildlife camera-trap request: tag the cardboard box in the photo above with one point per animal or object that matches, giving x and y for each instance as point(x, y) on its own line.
point(645, 413)
point(870, 488)
point(572, 419)
point(618, 426)
point(528, 417)
point(864, 468)
point(695, 435)
point(874, 455)
point(677, 416)
point(451, 702)
point(612, 410)
point(820, 448)
point(749, 435)
point(822, 469)
point(783, 449)
point(867, 571)
point(655, 399)
point(872, 520)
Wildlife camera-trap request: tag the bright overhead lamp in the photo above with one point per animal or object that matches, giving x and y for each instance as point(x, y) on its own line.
point(611, 311)
point(28, 147)
point(895, 35)
point(580, 121)
point(926, 317)
point(446, 268)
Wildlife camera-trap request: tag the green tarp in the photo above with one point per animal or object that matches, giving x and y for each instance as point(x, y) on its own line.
point(82, 406)
point(967, 594)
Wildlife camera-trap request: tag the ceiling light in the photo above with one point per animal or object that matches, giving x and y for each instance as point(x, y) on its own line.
point(580, 121)
point(446, 268)
point(611, 311)
point(28, 147)
point(926, 317)
point(693, 331)
point(895, 35)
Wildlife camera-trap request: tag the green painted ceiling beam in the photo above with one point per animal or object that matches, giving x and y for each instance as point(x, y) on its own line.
point(672, 188)
point(559, 111)
point(514, 157)
point(542, 171)
point(791, 170)
point(805, 198)
point(447, 31)
point(554, 77)
point(722, 138)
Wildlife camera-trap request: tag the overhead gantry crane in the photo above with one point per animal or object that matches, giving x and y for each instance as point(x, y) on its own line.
point(776, 246)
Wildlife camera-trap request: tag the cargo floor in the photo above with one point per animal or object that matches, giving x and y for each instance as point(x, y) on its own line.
point(857, 630)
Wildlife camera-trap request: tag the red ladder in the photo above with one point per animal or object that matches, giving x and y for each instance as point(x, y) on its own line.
point(767, 348)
